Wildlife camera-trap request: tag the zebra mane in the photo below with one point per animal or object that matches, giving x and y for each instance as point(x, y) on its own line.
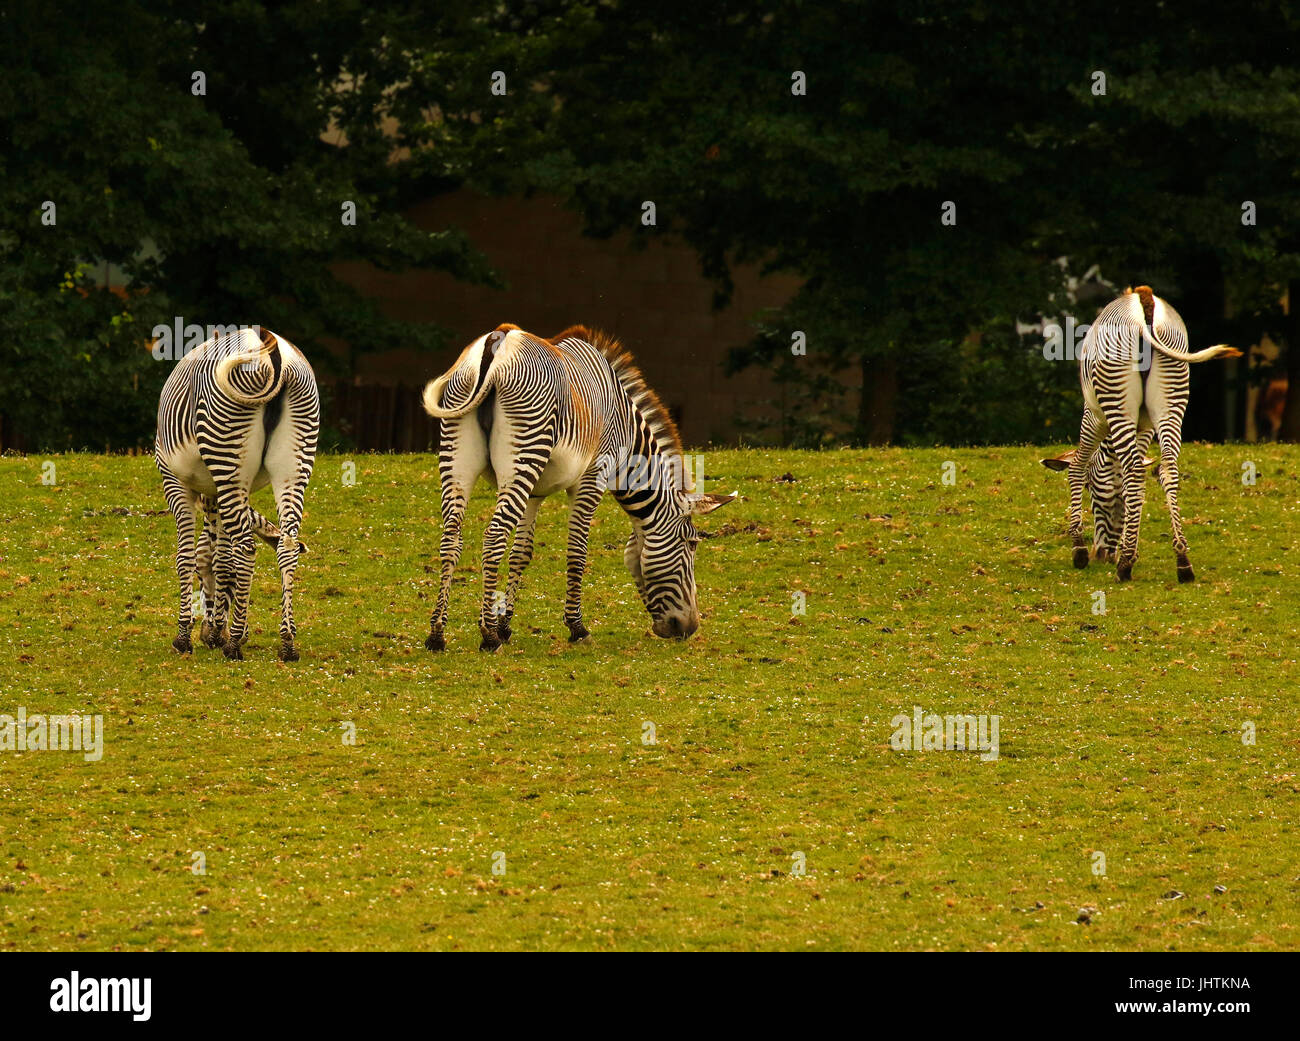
point(633, 383)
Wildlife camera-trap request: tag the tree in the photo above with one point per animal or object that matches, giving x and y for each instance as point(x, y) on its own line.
point(921, 166)
point(830, 140)
point(185, 149)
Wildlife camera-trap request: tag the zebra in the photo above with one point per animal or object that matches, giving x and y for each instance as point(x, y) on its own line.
point(239, 411)
point(1133, 369)
point(539, 416)
point(1105, 493)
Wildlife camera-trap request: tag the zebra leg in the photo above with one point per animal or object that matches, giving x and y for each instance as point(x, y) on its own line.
point(462, 457)
point(512, 502)
point(450, 546)
point(208, 632)
point(286, 554)
point(237, 528)
point(224, 576)
point(1091, 430)
point(1160, 477)
point(521, 554)
point(289, 507)
point(1135, 490)
point(181, 501)
point(290, 458)
point(582, 508)
point(1170, 447)
point(1100, 547)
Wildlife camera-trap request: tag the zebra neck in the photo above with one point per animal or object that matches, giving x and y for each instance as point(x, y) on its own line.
point(646, 480)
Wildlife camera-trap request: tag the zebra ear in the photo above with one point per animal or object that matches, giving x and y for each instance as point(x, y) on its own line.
point(1059, 462)
point(703, 503)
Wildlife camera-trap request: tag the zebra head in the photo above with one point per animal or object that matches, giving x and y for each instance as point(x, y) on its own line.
point(660, 554)
point(1105, 486)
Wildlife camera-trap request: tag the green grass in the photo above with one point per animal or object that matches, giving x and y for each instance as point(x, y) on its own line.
point(1120, 733)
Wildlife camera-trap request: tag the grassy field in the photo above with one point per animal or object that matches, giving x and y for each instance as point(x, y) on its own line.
point(1120, 733)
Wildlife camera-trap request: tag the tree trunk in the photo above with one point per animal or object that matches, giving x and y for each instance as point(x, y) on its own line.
point(1290, 430)
point(878, 405)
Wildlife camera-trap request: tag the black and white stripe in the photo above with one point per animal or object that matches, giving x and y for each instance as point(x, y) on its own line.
point(237, 413)
point(1133, 369)
point(1105, 496)
point(541, 416)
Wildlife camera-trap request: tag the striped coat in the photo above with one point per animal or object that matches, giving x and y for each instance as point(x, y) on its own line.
point(239, 412)
point(567, 414)
point(1133, 370)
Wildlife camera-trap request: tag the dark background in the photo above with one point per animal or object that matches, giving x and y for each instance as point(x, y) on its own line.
point(223, 206)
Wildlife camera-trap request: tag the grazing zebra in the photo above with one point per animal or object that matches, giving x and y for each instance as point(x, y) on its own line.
point(236, 413)
point(541, 416)
point(1133, 368)
point(1105, 494)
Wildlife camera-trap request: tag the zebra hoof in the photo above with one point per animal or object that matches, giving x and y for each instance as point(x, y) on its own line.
point(1124, 572)
point(1186, 574)
point(1080, 556)
point(504, 632)
point(210, 635)
point(183, 645)
point(287, 652)
point(233, 651)
point(490, 645)
point(578, 633)
point(435, 642)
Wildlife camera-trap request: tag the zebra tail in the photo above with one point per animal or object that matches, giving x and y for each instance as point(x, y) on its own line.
point(1221, 350)
point(269, 362)
point(486, 364)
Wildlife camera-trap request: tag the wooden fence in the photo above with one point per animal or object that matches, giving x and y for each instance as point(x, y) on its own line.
point(378, 418)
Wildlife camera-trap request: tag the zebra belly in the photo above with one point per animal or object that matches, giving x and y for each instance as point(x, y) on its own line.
point(564, 469)
point(564, 466)
point(185, 462)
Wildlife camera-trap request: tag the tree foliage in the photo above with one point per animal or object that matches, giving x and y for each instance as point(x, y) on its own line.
point(222, 207)
point(820, 139)
point(995, 108)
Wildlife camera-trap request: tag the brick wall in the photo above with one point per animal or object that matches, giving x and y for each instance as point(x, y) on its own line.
point(654, 300)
